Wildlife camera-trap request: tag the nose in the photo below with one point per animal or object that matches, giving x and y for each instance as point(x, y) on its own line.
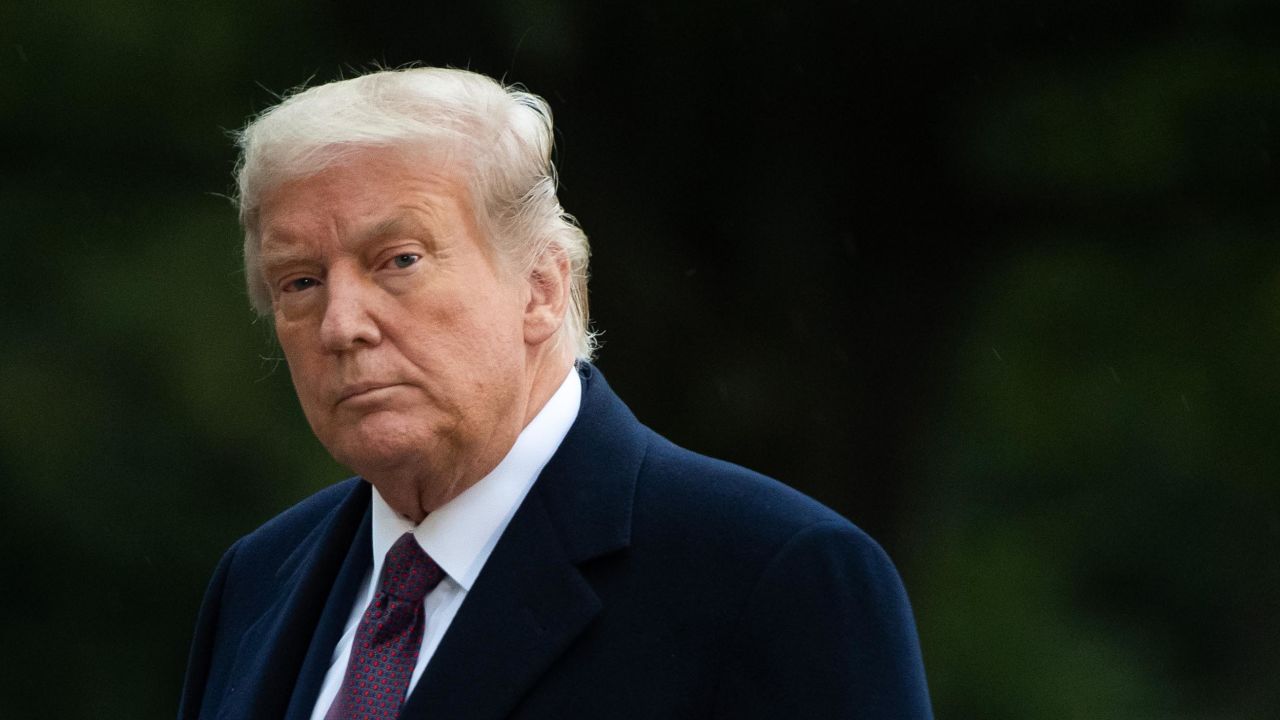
point(349, 321)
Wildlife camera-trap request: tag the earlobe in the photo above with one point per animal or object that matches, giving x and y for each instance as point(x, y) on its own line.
point(548, 297)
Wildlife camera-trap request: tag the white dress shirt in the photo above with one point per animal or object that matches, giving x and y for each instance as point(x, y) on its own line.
point(458, 535)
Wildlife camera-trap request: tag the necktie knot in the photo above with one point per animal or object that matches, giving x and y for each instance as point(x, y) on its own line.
point(409, 573)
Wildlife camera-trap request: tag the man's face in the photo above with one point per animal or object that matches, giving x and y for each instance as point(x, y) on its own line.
point(403, 332)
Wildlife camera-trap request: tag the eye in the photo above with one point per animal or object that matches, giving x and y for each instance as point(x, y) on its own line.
point(299, 284)
point(404, 260)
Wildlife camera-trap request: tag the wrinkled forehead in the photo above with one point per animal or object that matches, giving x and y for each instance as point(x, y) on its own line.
point(368, 189)
point(339, 169)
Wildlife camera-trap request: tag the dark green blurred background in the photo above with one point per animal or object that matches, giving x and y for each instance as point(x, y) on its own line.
point(998, 281)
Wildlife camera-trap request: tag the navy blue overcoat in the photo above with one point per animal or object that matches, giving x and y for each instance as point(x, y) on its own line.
point(636, 580)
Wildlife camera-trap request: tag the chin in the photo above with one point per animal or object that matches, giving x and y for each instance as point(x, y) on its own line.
point(381, 445)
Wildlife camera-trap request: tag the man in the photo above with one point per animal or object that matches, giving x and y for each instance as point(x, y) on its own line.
point(517, 544)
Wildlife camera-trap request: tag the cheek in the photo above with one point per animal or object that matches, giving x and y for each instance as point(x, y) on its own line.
point(291, 339)
point(464, 327)
point(500, 312)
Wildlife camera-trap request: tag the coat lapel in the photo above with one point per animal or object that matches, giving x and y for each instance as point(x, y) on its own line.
point(274, 647)
point(332, 622)
point(514, 622)
point(531, 600)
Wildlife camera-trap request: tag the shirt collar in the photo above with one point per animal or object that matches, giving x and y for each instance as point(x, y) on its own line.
point(461, 534)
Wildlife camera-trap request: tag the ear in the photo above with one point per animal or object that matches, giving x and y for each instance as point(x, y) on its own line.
point(549, 282)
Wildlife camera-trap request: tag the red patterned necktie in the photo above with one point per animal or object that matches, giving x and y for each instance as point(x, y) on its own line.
point(388, 638)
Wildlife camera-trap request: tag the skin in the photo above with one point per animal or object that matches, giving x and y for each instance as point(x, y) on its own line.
point(417, 354)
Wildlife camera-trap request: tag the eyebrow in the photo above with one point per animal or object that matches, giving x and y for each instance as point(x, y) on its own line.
point(272, 255)
point(402, 221)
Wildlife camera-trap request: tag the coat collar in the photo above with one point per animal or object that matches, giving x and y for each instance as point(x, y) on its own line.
point(589, 484)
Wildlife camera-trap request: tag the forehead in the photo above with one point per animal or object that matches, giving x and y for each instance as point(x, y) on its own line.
point(362, 190)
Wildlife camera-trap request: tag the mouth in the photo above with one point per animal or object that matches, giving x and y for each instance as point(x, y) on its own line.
point(358, 390)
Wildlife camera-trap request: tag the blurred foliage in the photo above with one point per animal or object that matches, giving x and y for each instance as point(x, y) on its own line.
point(997, 281)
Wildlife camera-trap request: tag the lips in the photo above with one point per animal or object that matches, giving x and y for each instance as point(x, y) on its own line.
point(358, 389)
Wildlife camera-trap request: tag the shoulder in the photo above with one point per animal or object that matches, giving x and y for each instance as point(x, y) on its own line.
point(792, 585)
point(750, 544)
point(703, 496)
point(708, 516)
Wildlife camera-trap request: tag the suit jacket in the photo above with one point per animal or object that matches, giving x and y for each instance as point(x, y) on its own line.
point(636, 580)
